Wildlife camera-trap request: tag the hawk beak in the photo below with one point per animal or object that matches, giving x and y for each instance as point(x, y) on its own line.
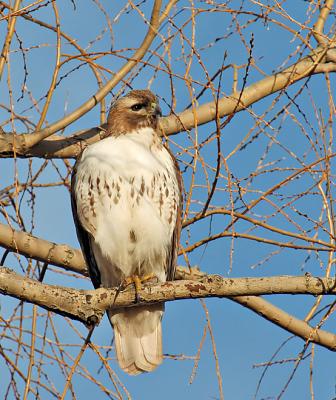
point(156, 110)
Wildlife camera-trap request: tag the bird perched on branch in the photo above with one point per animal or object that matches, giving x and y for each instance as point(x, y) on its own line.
point(126, 202)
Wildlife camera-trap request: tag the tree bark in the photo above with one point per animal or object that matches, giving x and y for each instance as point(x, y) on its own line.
point(88, 306)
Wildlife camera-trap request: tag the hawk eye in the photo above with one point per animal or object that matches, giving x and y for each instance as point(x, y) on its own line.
point(137, 107)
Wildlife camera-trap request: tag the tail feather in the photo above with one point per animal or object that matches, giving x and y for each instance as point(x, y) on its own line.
point(138, 338)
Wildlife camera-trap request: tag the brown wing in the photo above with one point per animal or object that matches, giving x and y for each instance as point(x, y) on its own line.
point(83, 236)
point(172, 255)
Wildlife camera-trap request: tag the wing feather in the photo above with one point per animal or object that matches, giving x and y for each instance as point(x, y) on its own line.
point(173, 253)
point(84, 237)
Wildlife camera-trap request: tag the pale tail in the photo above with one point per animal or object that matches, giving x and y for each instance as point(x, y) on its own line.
point(138, 338)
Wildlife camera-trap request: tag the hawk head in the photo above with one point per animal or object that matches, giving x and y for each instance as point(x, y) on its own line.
point(138, 109)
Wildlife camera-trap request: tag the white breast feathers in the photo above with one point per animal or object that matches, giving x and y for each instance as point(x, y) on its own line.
point(127, 198)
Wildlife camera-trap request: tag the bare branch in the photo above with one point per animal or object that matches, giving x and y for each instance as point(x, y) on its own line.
point(253, 93)
point(88, 306)
point(71, 259)
point(9, 36)
point(288, 322)
point(42, 250)
point(320, 23)
point(70, 147)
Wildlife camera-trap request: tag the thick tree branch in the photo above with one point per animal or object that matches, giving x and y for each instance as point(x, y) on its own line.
point(60, 147)
point(39, 249)
point(88, 306)
point(72, 259)
point(320, 23)
point(53, 147)
point(60, 255)
point(271, 84)
point(287, 321)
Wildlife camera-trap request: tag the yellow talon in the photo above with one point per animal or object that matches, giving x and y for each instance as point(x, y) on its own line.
point(137, 281)
point(148, 277)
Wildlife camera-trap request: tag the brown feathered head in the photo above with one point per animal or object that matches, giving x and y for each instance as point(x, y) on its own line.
point(138, 109)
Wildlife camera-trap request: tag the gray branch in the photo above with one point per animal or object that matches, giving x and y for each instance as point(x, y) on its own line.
point(88, 306)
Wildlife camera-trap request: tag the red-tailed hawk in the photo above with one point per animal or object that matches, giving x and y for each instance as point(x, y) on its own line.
point(126, 201)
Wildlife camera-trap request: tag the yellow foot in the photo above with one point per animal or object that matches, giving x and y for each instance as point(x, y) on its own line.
point(137, 281)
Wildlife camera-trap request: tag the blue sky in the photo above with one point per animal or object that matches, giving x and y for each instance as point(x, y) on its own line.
point(243, 339)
